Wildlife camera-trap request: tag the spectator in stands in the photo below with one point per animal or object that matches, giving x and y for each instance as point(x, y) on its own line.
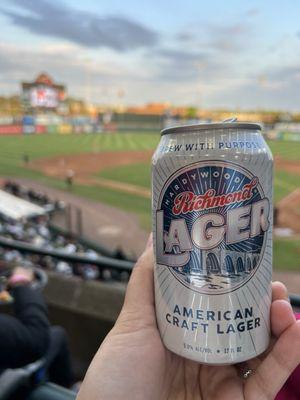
point(24, 337)
point(58, 358)
point(37, 231)
point(64, 268)
point(119, 254)
point(132, 362)
point(27, 336)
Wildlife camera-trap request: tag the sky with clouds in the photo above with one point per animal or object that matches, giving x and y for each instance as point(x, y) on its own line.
point(210, 54)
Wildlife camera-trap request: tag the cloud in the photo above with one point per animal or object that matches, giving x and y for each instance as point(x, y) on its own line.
point(55, 19)
point(229, 38)
point(184, 66)
point(173, 64)
point(100, 80)
point(184, 37)
point(179, 55)
point(275, 87)
point(196, 75)
point(219, 38)
point(286, 73)
point(66, 63)
point(252, 12)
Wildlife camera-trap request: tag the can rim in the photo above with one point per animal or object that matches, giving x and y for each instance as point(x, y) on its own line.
point(218, 125)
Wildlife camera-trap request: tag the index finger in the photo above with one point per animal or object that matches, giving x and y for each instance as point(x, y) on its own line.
point(281, 311)
point(140, 290)
point(279, 291)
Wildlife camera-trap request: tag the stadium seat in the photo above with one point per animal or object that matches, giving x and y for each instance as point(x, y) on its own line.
point(50, 391)
point(14, 381)
point(11, 380)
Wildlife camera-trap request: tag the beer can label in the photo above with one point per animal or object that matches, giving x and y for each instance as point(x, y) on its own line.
point(212, 220)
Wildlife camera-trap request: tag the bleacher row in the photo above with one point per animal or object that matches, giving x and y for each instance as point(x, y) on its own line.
point(32, 196)
point(37, 231)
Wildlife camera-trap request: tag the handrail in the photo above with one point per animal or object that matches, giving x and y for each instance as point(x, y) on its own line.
point(101, 261)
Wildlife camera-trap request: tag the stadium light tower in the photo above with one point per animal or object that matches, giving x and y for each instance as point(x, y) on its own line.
point(88, 73)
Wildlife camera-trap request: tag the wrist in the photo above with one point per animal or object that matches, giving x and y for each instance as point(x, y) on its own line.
point(18, 280)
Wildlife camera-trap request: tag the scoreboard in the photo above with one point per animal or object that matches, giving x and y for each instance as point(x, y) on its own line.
point(43, 93)
point(43, 97)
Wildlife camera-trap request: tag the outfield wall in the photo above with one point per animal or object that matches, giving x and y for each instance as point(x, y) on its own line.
point(36, 127)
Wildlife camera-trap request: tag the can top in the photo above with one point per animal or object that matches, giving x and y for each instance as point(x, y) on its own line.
point(217, 125)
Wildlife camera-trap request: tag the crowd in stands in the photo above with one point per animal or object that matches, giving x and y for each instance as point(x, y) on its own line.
point(38, 232)
point(32, 196)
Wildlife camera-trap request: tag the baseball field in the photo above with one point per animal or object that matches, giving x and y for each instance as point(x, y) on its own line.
point(114, 168)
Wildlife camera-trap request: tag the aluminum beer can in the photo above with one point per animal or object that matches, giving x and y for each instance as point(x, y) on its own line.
point(212, 231)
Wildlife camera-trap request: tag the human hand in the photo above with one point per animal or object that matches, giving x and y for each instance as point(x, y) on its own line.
point(21, 276)
point(133, 364)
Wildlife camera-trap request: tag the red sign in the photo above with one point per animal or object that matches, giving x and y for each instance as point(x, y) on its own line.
point(11, 129)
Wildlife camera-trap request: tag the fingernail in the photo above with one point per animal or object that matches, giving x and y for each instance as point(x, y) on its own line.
point(149, 241)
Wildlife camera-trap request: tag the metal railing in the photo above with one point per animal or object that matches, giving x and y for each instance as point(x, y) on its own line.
point(101, 261)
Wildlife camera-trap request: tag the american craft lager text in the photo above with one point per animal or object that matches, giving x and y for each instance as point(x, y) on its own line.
point(212, 226)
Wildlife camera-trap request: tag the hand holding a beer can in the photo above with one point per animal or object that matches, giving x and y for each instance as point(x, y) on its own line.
point(133, 363)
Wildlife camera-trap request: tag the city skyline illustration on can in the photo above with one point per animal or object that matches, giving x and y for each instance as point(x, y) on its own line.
point(212, 225)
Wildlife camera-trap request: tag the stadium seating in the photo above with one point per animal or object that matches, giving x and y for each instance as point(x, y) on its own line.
point(37, 230)
point(28, 383)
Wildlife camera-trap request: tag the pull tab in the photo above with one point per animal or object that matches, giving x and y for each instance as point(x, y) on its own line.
point(229, 120)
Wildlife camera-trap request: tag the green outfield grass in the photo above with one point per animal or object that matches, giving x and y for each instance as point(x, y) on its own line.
point(136, 174)
point(284, 183)
point(13, 148)
point(140, 174)
point(286, 150)
point(39, 146)
point(286, 253)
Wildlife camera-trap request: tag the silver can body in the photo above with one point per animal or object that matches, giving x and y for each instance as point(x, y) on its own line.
point(212, 232)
